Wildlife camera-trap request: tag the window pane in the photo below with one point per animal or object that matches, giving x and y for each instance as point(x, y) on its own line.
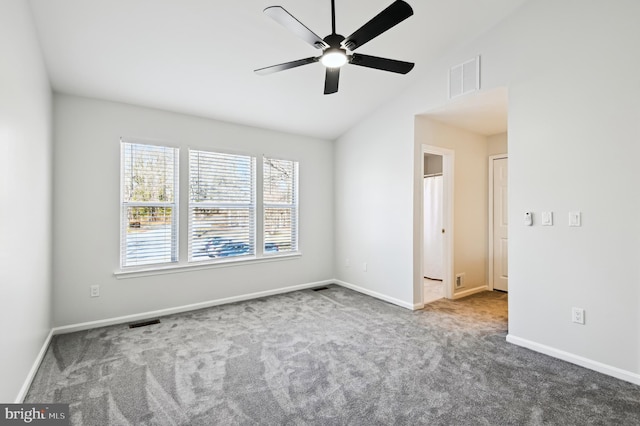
point(149, 236)
point(221, 178)
point(148, 173)
point(279, 181)
point(149, 205)
point(221, 205)
point(280, 205)
point(279, 230)
point(221, 233)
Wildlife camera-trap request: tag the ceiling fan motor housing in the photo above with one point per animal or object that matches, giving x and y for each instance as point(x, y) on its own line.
point(334, 40)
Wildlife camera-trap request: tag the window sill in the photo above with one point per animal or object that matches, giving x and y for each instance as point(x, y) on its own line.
point(197, 266)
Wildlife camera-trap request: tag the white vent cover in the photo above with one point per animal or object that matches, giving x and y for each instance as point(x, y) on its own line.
point(464, 78)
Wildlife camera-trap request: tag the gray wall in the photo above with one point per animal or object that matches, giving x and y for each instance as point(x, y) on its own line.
point(86, 211)
point(566, 119)
point(25, 197)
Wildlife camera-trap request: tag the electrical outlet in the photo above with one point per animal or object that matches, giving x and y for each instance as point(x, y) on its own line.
point(364, 266)
point(95, 291)
point(460, 280)
point(347, 264)
point(577, 315)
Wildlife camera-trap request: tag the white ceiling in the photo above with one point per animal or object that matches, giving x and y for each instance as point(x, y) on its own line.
point(484, 113)
point(197, 56)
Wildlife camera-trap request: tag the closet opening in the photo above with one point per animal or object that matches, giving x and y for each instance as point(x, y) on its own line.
point(436, 223)
point(433, 254)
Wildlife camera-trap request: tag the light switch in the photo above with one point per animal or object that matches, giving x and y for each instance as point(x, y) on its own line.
point(547, 218)
point(575, 219)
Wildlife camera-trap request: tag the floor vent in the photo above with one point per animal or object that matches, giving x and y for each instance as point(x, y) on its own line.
point(320, 288)
point(144, 323)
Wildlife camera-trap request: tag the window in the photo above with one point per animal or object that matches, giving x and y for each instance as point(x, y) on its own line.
point(280, 199)
point(149, 210)
point(225, 193)
point(221, 205)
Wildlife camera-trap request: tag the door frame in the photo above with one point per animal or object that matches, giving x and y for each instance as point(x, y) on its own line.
point(492, 158)
point(448, 156)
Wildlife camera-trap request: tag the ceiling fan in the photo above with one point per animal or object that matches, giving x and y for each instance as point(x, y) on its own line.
point(338, 50)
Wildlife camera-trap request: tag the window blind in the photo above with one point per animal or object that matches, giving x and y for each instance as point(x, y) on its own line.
point(149, 194)
point(221, 205)
point(280, 199)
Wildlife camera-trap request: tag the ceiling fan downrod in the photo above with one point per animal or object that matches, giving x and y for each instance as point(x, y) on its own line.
point(333, 16)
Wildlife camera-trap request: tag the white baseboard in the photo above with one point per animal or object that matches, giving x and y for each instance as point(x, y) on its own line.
point(547, 350)
point(192, 307)
point(379, 295)
point(34, 369)
point(609, 370)
point(185, 308)
point(145, 315)
point(469, 292)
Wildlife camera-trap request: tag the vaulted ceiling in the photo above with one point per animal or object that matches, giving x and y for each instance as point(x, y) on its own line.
point(197, 56)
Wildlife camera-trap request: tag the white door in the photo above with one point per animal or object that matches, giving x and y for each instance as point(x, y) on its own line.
point(500, 225)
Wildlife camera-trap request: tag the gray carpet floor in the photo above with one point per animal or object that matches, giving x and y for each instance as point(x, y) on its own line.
point(330, 357)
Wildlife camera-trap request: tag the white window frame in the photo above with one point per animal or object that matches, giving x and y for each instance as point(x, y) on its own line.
point(124, 205)
point(294, 206)
point(252, 206)
point(182, 262)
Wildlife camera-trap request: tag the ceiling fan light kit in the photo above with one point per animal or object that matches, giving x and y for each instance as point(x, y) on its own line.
point(336, 48)
point(334, 58)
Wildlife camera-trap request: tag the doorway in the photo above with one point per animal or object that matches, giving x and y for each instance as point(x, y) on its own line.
point(433, 252)
point(474, 128)
point(437, 209)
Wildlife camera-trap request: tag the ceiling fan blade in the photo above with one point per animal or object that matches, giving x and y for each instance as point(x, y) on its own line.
point(285, 66)
point(397, 12)
point(383, 64)
point(287, 20)
point(331, 80)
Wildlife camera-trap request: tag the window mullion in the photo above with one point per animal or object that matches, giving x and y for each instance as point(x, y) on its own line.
point(258, 232)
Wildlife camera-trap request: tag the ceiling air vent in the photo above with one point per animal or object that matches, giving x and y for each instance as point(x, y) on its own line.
point(464, 78)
